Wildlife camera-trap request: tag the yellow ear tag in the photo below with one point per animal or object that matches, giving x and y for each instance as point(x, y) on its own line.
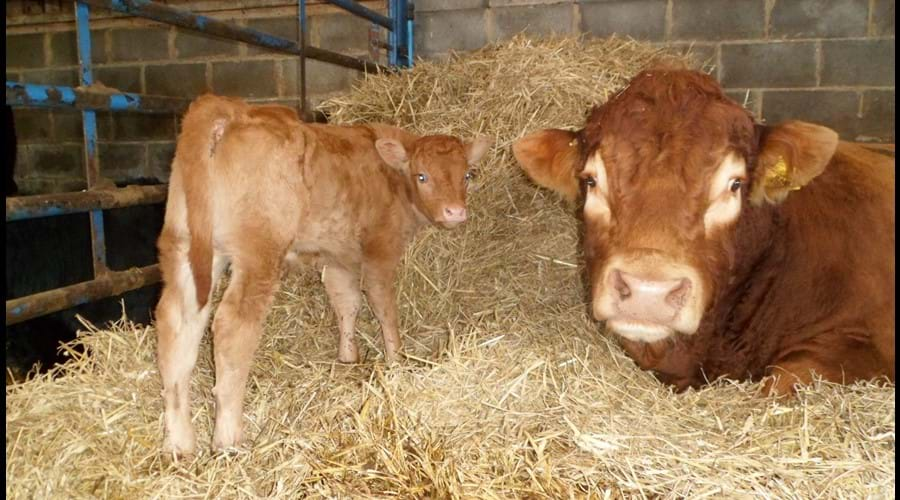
point(778, 176)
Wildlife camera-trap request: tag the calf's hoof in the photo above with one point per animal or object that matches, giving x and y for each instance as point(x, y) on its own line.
point(182, 446)
point(227, 437)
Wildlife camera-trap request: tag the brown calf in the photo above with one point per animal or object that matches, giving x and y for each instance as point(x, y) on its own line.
point(720, 248)
point(252, 187)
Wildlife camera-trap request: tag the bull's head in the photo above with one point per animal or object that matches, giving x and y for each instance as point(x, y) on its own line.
point(672, 175)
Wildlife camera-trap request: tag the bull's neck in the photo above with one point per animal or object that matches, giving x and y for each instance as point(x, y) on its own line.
point(735, 347)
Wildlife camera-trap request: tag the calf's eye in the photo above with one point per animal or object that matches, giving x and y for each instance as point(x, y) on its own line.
point(734, 185)
point(590, 181)
point(470, 175)
point(423, 178)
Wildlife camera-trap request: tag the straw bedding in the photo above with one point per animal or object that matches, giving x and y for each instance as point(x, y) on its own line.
point(509, 390)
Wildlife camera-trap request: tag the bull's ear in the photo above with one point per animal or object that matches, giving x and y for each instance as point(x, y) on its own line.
point(550, 159)
point(393, 153)
point(476, 149)
point(791, 155)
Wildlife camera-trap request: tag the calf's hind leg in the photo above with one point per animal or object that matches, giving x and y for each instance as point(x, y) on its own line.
point(237, 327)
point(180, 324)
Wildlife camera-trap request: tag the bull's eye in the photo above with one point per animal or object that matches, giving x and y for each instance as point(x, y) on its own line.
point(734, 185)
point(470, 175)
point(423, 178)
point(590, 181)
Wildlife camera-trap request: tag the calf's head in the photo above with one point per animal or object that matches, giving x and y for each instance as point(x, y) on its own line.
point(439, 168)
point(672, 175)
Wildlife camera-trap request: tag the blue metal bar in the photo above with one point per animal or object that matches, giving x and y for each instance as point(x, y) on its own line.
point(394, 34)
point(109, 284)
point(91, 159)
point(49, 205)
point(57, 96)
point(362, 11)
point(214, 27)
point(410, 39)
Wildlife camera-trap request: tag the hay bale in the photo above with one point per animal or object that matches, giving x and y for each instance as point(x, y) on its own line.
point(509, 389)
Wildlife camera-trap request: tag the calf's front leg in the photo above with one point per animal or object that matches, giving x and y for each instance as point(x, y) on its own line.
point(342, 285)
point(382, 297)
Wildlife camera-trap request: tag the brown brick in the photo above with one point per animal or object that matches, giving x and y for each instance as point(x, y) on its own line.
point(878, 115)
point(56, 160)
point(533, 19)
point(717, 19)
point(189, 44)
point(145, 44)
point(124, 78)
point(122, 162)
point(776, 64)
point(32, 125)
point(858, 62)
point(63, 49)
point(642, 19)
point(244, 78)
point(836, 109)
point(25, 51)
point(441, 32)
point(819, 18)
point(177, 80)
point(342, 33)
point(140, 126)
point(159, 160)
point(883, 17)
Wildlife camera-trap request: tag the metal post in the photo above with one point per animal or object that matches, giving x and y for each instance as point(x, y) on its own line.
point(393, 34)
point(410, 40)
point(302, 14)
point(91, 157)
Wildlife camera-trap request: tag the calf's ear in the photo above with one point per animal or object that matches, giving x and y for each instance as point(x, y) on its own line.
point(550, 159)
point(791, 155)
point(393, 153)
point(476, 149)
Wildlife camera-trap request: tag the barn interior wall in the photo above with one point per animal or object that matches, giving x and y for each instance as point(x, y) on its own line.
point(830, 62)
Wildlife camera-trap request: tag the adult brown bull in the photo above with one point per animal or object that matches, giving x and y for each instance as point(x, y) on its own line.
point(717, 247)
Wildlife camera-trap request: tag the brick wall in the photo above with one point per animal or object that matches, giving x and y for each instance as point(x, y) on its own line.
point(828, 61)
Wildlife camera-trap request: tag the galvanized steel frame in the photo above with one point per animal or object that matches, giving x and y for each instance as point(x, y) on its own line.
point(89, 99)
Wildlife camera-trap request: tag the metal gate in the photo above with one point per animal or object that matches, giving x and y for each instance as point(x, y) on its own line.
point(107, 283)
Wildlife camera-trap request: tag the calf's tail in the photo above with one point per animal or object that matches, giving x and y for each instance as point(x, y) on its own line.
point(202, 129)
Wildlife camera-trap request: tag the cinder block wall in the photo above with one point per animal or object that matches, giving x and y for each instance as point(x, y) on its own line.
point(827, 61)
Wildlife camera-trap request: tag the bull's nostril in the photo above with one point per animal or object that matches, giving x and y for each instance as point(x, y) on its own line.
point(620, 285)
point(678, 296)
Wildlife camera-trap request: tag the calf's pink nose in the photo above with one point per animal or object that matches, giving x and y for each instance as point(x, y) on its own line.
point(656, 301)
point(454, 213)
